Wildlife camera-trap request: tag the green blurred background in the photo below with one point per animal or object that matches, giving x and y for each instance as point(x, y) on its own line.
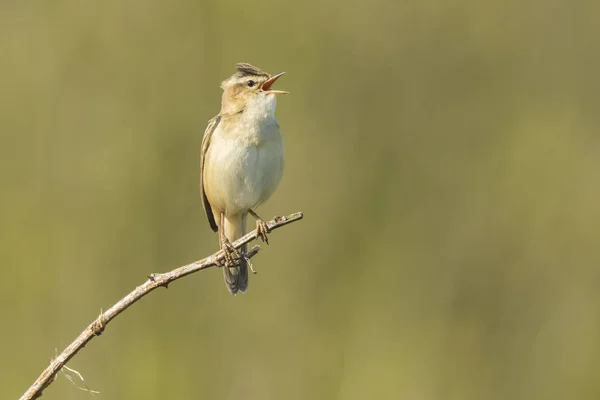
point(446, 156)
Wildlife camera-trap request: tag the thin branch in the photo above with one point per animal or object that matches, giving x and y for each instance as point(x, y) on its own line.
point(154, 281)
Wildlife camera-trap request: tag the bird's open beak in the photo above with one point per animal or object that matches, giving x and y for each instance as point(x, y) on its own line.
point(269, 82)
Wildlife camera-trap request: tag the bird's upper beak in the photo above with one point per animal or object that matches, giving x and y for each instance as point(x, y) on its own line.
point(269, 82)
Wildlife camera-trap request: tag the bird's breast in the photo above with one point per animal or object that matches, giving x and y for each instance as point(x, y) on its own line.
point(243, 167)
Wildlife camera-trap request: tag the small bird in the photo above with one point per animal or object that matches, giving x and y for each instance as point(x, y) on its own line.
point(241, 164)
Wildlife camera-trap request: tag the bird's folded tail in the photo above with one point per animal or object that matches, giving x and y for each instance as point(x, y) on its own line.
point(236, 278)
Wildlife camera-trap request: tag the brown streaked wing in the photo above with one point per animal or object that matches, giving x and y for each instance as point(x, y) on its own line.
point(212, 125)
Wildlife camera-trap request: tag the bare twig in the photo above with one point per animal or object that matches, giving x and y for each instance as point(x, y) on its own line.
point(70, 378)
point(154, 281)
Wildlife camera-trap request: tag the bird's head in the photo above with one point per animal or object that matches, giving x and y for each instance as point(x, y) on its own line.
point(249, 87)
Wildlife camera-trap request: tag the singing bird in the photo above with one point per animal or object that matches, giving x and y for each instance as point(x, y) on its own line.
point(241, 164)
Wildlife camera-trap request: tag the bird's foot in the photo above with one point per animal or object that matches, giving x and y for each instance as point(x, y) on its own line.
point(262, 229)
point(231, 256)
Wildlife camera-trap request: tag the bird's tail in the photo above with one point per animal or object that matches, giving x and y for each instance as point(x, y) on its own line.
point(236, 278)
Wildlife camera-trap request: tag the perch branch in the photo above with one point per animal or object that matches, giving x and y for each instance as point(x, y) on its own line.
point(154, 281)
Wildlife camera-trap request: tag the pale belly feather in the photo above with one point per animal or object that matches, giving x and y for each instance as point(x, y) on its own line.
point(242, 172)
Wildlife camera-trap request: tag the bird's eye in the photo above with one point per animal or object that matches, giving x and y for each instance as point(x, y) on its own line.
point(251, 83)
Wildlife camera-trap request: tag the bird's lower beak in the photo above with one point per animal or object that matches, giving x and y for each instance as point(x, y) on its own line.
point(269, 82)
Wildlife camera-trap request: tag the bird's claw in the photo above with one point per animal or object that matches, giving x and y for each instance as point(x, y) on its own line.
point(262, 229)
point(230, 254)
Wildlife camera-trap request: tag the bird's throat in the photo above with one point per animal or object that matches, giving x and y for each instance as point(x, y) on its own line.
point(260, 108)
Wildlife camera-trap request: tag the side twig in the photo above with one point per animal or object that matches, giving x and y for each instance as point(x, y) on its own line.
point(154, 281)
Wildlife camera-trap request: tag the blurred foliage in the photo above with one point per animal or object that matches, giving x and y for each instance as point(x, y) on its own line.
point(446, 156)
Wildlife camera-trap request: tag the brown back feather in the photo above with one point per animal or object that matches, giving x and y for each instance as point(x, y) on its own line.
point(212, 126)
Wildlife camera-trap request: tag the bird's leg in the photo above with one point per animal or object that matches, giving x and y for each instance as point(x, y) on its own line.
point(231, 255)
point(261, 227)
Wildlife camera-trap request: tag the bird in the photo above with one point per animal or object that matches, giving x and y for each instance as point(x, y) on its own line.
point(242, 162)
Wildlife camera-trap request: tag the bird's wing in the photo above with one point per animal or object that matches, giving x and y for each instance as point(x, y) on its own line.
point(212, 126)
